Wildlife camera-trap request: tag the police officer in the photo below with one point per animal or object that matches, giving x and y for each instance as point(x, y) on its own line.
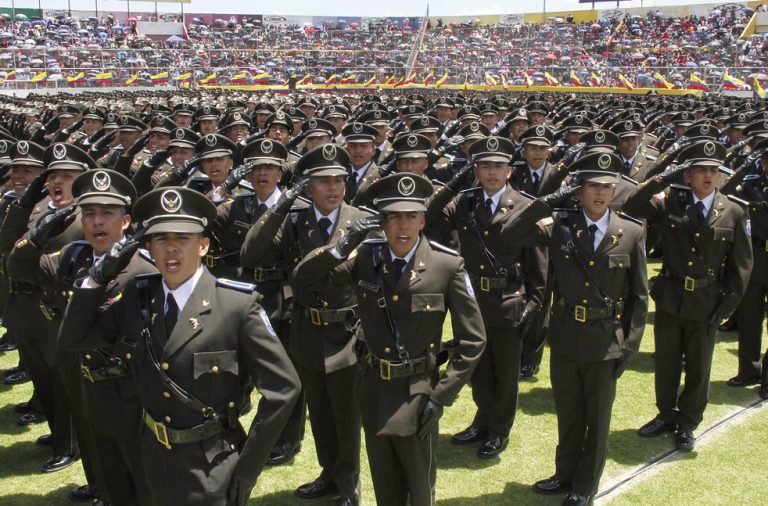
point(509, 283)
point(600, 290)
point(363, 170)
point(324, 321)
point(103, 399)
point(191, 341)
point(636, 157)
point(405, 286)
point(707, 263)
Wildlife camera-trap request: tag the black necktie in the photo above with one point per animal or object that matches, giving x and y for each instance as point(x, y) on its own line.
point(398, 264)
point(700, 208)
point(627, 166)
point(171, 314)
point(535, 183)
point(489, 206)
point(592, 231)
point(324, 223)
point(262, 208)
point(351, 183)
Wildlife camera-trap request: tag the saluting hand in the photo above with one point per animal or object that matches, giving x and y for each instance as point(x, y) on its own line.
point(35, 192)
point(115, 260)
point(285, 202)
point(559, 196)
point(357, 233)
point(51, 226)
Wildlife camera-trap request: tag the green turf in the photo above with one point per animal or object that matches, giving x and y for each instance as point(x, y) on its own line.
point(462, 478)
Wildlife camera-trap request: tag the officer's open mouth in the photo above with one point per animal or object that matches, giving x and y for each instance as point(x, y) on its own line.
point(100, 235)
point(172, 265)
point(56, 193)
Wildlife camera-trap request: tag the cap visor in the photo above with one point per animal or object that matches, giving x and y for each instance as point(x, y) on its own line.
point(402, 207)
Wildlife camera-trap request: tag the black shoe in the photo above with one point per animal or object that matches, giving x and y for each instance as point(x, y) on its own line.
point(685, 440)
point(6, 346)
point(469, 436)
point(30, 419)
point(17, 378)
point(282, 452)
point(763, 392)
point(58, 463)
point(46, 440)
point(83, 493)
point(656, 427)
point(492, 447)
point(321, 487)
point(8, 372)
point(22, 408)
point(728, 325)
point(349, 501)
point(576, 499)
point(550, 486)
point(742, 382)
point(529, 371)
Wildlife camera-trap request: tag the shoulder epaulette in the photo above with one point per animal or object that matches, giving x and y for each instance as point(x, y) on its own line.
point(473, 189)
point(725, 170)
point(526, 195)
point(629, 218)
point(676, 186)
point(298, 209)
point(651, 157)
point(444, 249)
point(741, 202)
point(629, 179)
point(436, 182)
point(146, 256)
point(566, 209)
point(236, 285)
point(366, 209)
point(519, 162)
point(375, 242)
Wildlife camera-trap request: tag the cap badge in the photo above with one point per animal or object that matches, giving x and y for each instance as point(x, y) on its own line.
point(171, 201)
point(331, 108)
point(329, 152)
point(412, 141)
point(709, 149)
point(210, 140)
point(474, 127)
point(424, 121)
point(124, 120)
point(22, 148)
point(312, 123)
point(604, 161)
point(742, 118)
point(492, 144)
point(357, 128)
point(540, 130)
point(600, 136)
point(266, 147)
point(179, 133)
point(101, 181)
point(628, 126)
point(578, 120)
point(59, 151)
point(406, 186)
point(237, 116)
point(704, 129)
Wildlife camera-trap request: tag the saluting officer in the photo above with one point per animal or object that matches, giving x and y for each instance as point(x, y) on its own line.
point(509, 283)
point(707, 263)
point(598, 317)
point(405, 286)
point(103, 399)
point(324, 320)
point(190, 341)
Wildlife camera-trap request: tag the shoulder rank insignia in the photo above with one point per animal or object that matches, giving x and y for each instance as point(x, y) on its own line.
point(444, 249)
point(236, 285)
point(629, 218)
point(741, 202)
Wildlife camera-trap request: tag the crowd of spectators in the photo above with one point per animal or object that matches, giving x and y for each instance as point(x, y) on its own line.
point(635, 46)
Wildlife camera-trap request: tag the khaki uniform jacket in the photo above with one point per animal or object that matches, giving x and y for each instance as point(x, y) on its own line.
point(644, 159)
point(718, 249)
point(283, 241)
point(432, 284)
point(521, 179)
point(754, 192)
point(526, 267)
point(617, 266)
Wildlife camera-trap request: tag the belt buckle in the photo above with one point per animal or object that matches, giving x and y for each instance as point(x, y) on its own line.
point(580, 314)
point(210, 262)
point(385, 369)
point(485, 284)
point(314, 315)
point(86, 372)
point(258, 274)
point(690, 284)
point(161, 434)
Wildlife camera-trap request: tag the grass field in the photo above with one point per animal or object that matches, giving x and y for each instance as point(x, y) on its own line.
point(727, 467)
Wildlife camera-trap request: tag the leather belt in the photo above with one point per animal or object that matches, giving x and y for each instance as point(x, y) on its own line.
point(212, 261)
point(389, 370)
point(692, 284)
point(260, 275)
point(583, 313)
point(325, 316)
point(166, 435)
point(104, 373)
point(487, 283)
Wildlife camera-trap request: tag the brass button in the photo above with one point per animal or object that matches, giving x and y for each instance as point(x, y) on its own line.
point(586, 283)
point(697, 234)
point(166, 395)
point(427, 307)
point(584, 301)
point(215, 369)
point(167, 419)
point(482, 267)
point(485, 232)
point(395, 298)
point(621, 264)
point(365, 295)
point(231, 405)
point(387, 350)
point(672, 226)
point(165, 366)
point(693, 250)
point(567, 257)
point(431, 345)
point(127, 356)
point(591, 263)
point(87, 357)
point(690, 264)
point(232, 447)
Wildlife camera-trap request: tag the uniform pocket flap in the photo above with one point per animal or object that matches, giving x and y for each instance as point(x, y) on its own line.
point(427, 302)
point(215, 362)
point(618, 261)
point(723, 234)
